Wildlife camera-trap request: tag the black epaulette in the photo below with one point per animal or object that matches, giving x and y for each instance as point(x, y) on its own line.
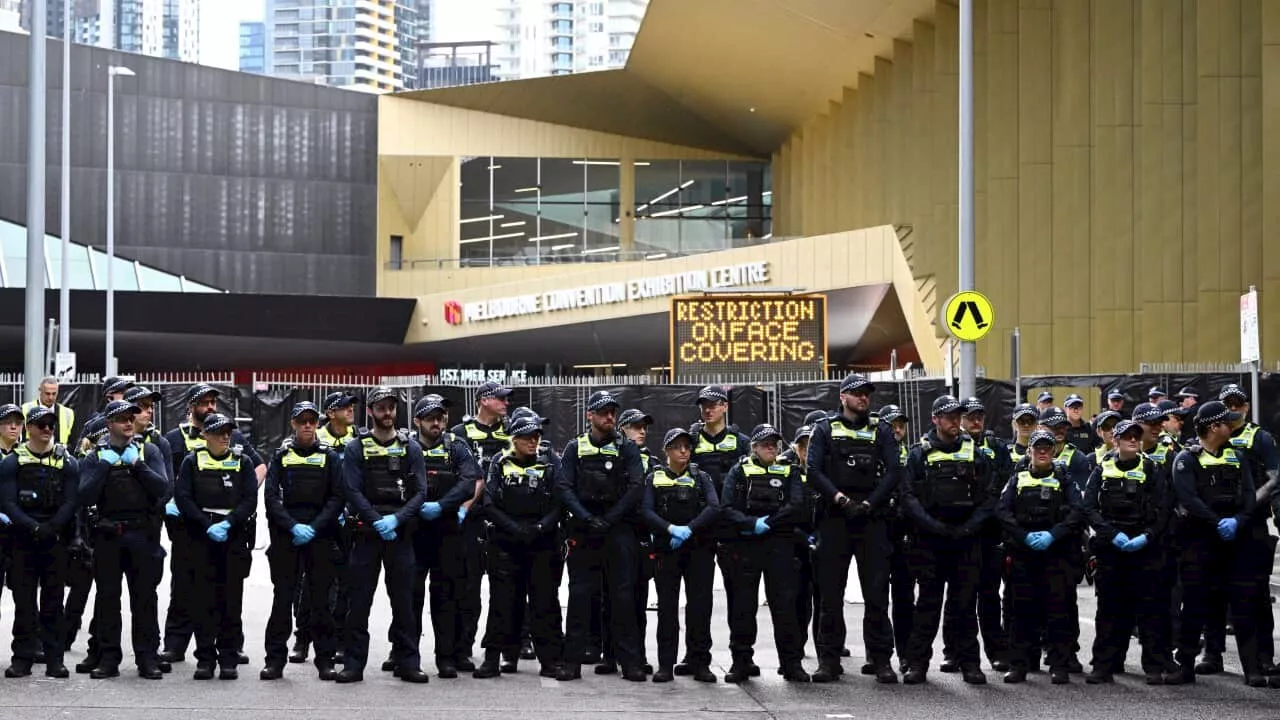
point(696, 428)
point(363, 432)
point(59, 451)
point(237, 451)
point(286, 444)
point(403, 436)
point(323, 446)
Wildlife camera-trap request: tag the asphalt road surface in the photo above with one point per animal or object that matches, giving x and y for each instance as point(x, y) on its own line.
point(525, 696)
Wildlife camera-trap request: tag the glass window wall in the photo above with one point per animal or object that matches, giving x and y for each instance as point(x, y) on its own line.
point(691, 206)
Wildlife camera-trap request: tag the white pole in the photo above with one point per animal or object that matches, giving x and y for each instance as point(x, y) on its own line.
point(110, 363)
point(968, 351)
point(33, 355)
point(64, 289)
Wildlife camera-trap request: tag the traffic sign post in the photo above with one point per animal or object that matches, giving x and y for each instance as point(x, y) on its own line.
point(1250, 344)
point(968, 316)
point(64, 366)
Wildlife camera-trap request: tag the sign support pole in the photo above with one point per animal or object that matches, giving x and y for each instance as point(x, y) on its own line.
point(968, 350)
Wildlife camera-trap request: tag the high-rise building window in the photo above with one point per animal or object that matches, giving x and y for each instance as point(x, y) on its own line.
point(396, 254)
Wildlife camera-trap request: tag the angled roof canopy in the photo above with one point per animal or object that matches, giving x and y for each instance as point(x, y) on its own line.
point(732, 75)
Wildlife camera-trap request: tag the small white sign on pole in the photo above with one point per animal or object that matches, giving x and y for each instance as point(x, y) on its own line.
point(1250, 350)
point(64, 366)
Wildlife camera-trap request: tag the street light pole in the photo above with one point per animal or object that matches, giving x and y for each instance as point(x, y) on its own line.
point(33, 363)
point(113, 72)
point(968, 351)
point(64, 290)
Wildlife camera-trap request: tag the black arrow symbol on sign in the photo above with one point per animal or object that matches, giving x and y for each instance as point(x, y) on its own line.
point(968, 306)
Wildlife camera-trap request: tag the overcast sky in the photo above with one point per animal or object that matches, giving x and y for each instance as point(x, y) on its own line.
point(220, 30)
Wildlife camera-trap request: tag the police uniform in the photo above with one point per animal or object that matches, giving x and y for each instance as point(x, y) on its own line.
point(525, 561)
point(808, 607)
point(38, 493)
point(383, 479)
point(1125, 500)
point(1076, 469)
point(440, 550)
point(1215, 488)
point(80, 562)
point(947, 494)
point(1081, 436)
point(855, 457)
point(1042, 503)
point(126, 545)
point(601, 485)
point(760, 505)
point(212, 492)
point(303, 487)
point(686, 500)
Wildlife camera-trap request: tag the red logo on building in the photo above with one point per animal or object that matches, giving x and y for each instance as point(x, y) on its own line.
point(453, 312)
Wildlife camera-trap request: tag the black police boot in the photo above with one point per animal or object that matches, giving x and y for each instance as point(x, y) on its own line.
point(1073, 665)
point(325, 670)
point(664, 675)
point(608, 667)
point(1152, 678)
point(389, 665)
point(569, 671)
point(173, 656)
point(349, 676)
point(1270, 668)
point(464, 663)
point(1100, 676)
point(885, 674)
point(753, 669)
point(491, 667)
point(273, 671)
point(165, 668)
point(635, 673)
point(19, 668)
point(1059, 676)
point(1000, 665)
point(868, 668)
point(915, 675)
point(1210, 665)
point(683, 668)
point(446, 669)
point(973, 675)
point(844, 652)
point(105, 670)
point(1273, 681)
point(86, 666)
point(548, 670)
point(828, 673)
point(950, 665)
point(413, 675)
point(1255, 680)
point(204, 671)
point(526, 650)
point(1016, 675)
point(56, 670)
point(737, 674)
point(795, 673)
point(149, 669)
point(703, 674)
point(230, 671)
point(511, 664)
point(40, 658)
point(300, 651)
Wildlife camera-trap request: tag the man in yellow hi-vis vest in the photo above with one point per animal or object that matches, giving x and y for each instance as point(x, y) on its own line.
point(65, 416)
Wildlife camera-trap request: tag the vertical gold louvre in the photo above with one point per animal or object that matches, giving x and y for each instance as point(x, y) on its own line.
point(1125, 153)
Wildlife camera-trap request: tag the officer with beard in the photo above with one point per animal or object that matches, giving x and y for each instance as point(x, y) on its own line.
point(188, 437)
point(126, 482)
point(385, 485)
point(525, 563)
point(601, 485)
point(949, 496)
point(38, 485)
point(303, 497)
point(452, 474)
point(854, 465)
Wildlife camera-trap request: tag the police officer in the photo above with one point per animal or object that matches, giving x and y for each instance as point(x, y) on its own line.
point(680, 505)
point(144, 428)
point(385, 484)
point(1171, 433)
point(1040, 511)
point(126, 482)
point(187, 438)
point(487, 435)
point(303, 497)
point(1044, 401)
point(1115, 402)
point(634, 424)
point(1260, 447)
point(524, 552)
point(80, 559)
point(38, 485)
point(525, 651)
point(11, 421)
point(1024, 421)
point(338, 430)
point(995, 640)
point(1126, 503)
point(1155, 395)
point(1079, 433)
point(1077, 473)
point(902, 584)
point(216, 492)
point(601, 485)
point(807, 600)
point(717, 447)
point(854, 465)
point(451, 477)
point(1104, 424)
point(1214, 483)
point(948, 495)
point(762, 498)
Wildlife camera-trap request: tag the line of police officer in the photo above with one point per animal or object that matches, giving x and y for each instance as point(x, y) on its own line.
point(943, 516)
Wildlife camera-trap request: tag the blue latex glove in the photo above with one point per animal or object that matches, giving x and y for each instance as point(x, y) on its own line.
point(462, 514)
point(676, 542)
point(430, 510)
point(108, 456)
point(302, 534)
point(680, 531)
point(1136, 544)
point(1039, 540)
point(762, 527)
point(1227, 528)
point(342, 519)
point(129, 455)
point(386, 527)
point(4, 519)
point(217, 532)
point(1120, 540)
point(171, 508)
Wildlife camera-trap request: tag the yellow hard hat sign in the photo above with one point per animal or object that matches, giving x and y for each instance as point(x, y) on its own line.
point(968, 315)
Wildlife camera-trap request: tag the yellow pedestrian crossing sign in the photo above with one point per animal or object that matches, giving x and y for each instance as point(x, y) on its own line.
point(968, 315)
